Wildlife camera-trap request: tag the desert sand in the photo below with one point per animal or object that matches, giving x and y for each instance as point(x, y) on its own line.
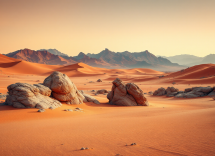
point(168, 126)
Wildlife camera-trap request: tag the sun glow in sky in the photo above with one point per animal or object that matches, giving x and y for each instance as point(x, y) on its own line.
point(163, 27)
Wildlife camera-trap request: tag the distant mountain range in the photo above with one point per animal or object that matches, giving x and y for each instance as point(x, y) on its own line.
point(42, 57)
point(104, 59)
point(54, 51)
point(191, 60)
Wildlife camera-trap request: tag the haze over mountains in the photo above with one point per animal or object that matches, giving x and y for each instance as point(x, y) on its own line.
point(191, 60)
point(105, 59)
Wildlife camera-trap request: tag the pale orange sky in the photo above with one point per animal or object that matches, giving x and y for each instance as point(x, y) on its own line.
point(164, 27)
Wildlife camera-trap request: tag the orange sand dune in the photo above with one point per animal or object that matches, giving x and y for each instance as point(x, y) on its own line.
point(195, 72)
point(168, 126)
point(5, 59)
point(24, 67)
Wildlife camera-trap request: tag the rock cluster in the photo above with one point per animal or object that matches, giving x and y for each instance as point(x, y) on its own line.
point(23, 95)
point(126, 94)
point(196, 92)
point(57, 85)
point(187, 93)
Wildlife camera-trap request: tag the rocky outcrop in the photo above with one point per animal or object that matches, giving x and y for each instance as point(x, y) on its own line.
point(89, 98)
point(126, 95)
point(195, 92)
point(23, 95)
point(63, 89)
point(159, 92)
point(187, 93)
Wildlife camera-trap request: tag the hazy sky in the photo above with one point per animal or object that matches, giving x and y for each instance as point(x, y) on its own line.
point(164, 27)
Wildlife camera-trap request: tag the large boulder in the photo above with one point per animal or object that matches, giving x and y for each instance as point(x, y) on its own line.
point(126, 95)
point(195, 92)
point(160, 91)
point(63, 89)
point(23, 95)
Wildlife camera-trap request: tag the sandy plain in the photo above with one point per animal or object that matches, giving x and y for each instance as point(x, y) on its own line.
point(168, 126)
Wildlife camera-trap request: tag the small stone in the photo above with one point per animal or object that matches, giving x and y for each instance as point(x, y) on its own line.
point(86, 148)
point(41, 110)
point(82, 148)
point(70, 110)
point(78, 108)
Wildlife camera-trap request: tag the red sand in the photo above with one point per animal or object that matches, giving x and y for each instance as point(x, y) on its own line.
point(169, 126)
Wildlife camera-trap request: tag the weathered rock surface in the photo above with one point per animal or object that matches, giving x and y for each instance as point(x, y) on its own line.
point(89, 98)
point(23, 95)
point(43, 89)
point(63, 89)
point(161, 91)
point(171, 91)
point(126, 95)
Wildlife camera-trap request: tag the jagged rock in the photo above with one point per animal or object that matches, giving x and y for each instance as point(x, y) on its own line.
point(126, 95)
point(89, 98)
point(23, 95)
point(195, 92)
point(102, 91)
point(63, 89)
point(212, 93)
point(161, 91)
